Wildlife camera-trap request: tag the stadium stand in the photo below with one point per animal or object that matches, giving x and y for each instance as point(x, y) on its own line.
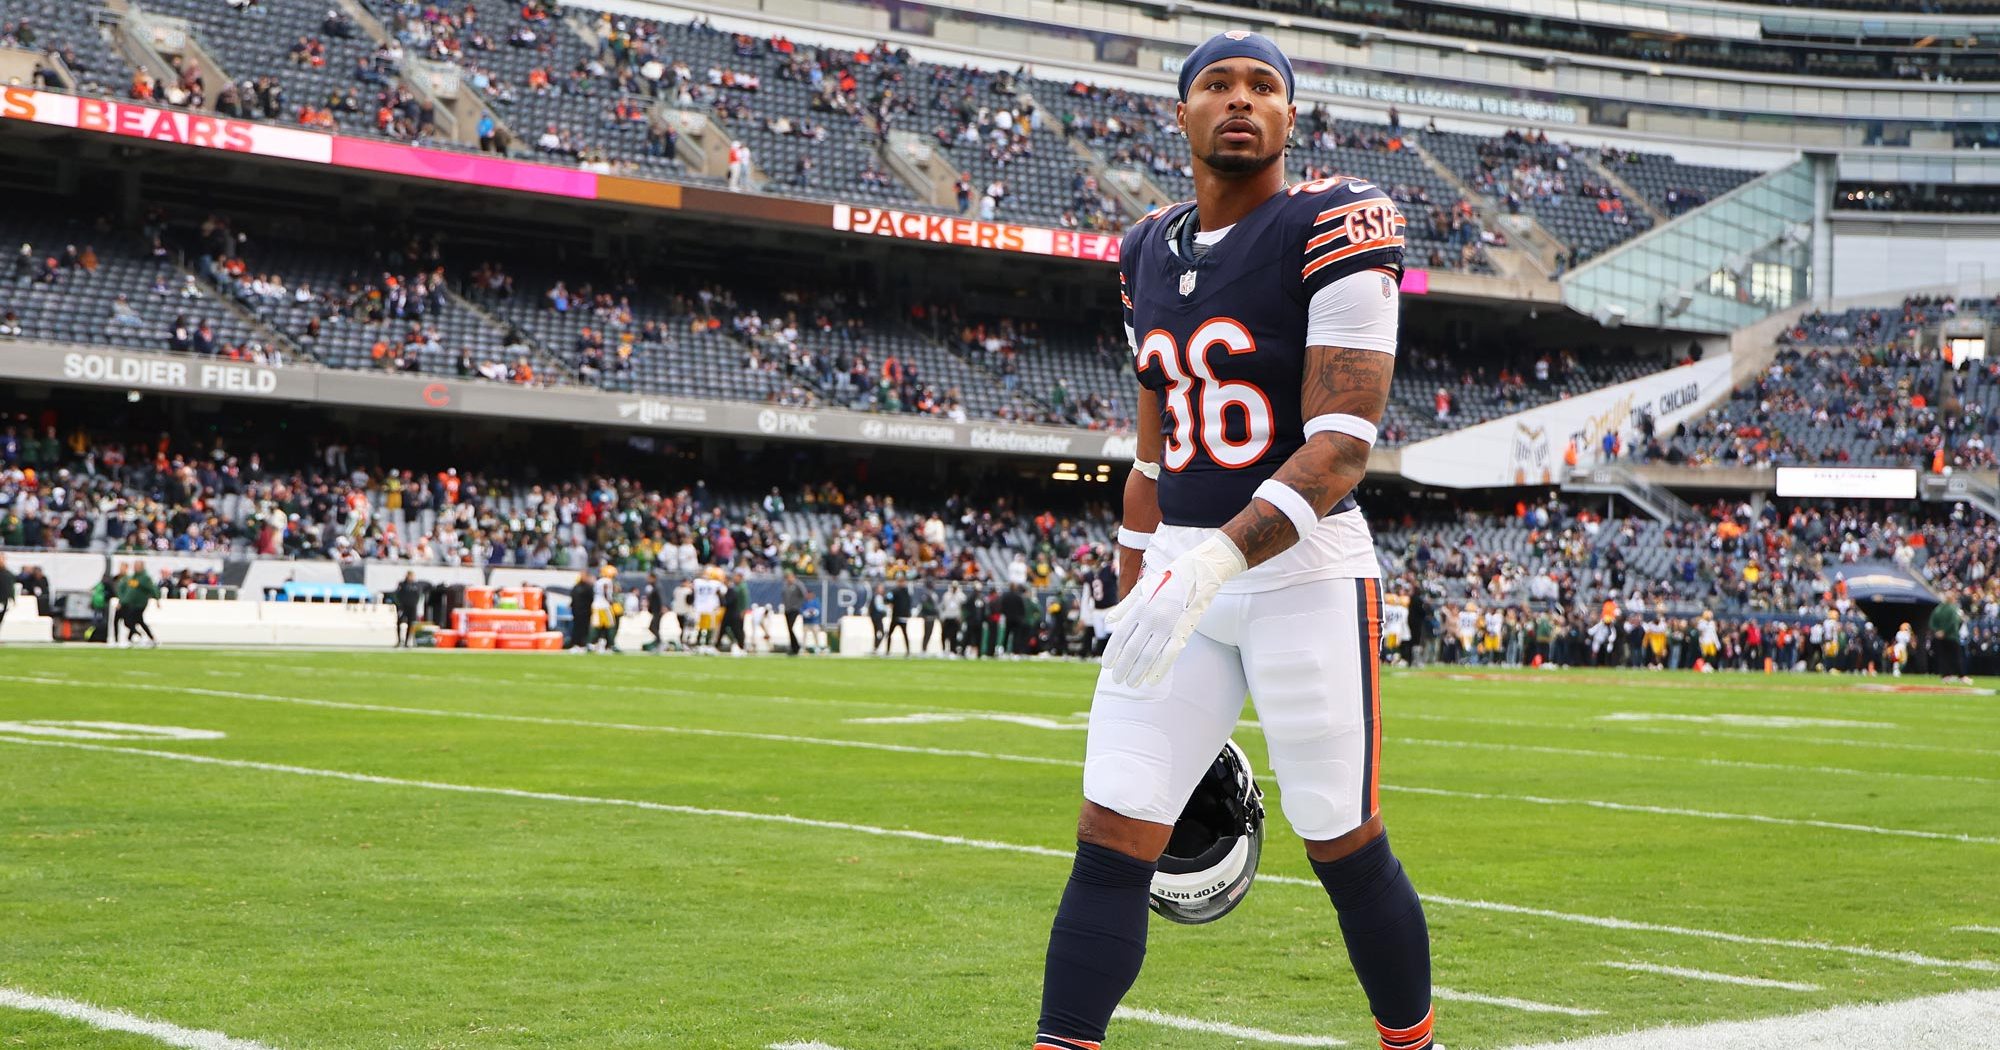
point(298, 63)
point(66, 29)
point(997, 130)
point(1546, 573)
point(1871, 51)
point(138, 495)
point(1674, 187)
point(1853, 388)
point(582, 86)
point(800, 108)
point(787, 346)
point(79, 281)
point(391, 312)
point(621, 338)
point(1434, 392)
point(406, 305)
point(1525, 171)
point(536, 71)
point(1777, 565)
point(1075, 377)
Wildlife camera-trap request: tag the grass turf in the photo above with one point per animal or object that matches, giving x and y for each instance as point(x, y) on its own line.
point(315, 913)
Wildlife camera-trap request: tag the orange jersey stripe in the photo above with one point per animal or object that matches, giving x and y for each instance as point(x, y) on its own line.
point(1339, 210)
point(1329, 235)
point(1374, 614)
point(1350, 251)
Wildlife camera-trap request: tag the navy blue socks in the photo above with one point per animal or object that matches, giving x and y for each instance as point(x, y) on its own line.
point(1387, 940)
point(1095, 949)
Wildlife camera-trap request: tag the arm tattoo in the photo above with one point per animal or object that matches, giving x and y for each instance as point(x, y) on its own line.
point(1327, 467)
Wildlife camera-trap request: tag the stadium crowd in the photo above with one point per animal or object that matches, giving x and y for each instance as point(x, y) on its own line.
point(75, 492)
point(1745, 580)
point(1857, 387)
point(1742, 582)
point(612, 92)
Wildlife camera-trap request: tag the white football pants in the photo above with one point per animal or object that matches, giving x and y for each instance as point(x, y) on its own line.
point(1307, 655)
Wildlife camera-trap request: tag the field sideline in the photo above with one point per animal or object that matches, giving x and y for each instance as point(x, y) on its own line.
point(388, 850)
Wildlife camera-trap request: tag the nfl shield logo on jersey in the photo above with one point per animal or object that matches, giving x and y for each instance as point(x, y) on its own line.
point(1187, 283)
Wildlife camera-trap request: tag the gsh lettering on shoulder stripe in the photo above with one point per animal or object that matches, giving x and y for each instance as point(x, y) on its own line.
point(1372, 223)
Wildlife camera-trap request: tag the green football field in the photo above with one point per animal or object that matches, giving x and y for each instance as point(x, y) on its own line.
point(336, 850)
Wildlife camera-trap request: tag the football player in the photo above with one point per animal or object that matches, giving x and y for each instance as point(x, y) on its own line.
point(1706, 636)
point(1395, 626)
point(708, 588)
point(1656, 639)
point(1263, 322)
point(1468, 632)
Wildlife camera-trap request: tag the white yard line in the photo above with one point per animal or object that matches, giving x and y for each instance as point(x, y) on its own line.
point(1721, 763)
point(1699, 814)
point(1744, 721)
point(1452, 995)
point(119, 1021)
point(1604, 922)
point(563, 683)
point(1711, 976)
point(1041, 761)
point(1234, 1031)
point(1976, 929)
point(629, 727)
point(554, 796)
point(1956, 1021)
point(869, 745)
point(1614, 923)
point(814, 1045)
point(1724, 734)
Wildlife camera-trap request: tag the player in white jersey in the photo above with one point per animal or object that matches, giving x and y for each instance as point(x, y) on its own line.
point(1468, 633)
point(604, 610)
point(1603, 641)
point(707, 609)
point(1395, 625)
point(1900, 654)
point(1706, 637)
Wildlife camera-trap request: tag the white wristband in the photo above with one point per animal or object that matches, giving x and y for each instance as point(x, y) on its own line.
point(1138, 541)
point(1342, 423)
point(1287, 499)
point(1151, 470)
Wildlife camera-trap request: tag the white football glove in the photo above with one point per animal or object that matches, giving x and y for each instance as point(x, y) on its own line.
point(1152, 625)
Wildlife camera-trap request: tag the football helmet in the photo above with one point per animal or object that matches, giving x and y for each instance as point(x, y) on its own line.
point(1212, 856)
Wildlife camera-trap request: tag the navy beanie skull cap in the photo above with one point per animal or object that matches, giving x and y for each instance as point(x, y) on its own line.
point(1237, 43)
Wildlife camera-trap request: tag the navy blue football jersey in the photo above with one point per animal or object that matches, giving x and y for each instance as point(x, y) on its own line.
point(1222, 336)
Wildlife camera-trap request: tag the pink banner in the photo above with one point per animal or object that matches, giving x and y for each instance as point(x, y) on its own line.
point(397, 159)
point(1417, 282)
